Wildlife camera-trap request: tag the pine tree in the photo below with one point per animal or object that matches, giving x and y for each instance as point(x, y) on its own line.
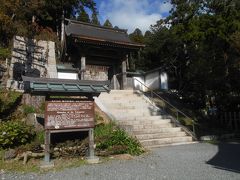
point(137, 36)
point(107, 23)
point(94, 19)
point(83, 16)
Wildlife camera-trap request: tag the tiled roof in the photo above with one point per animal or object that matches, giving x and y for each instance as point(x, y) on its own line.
point(48, 85)
point(86, 31)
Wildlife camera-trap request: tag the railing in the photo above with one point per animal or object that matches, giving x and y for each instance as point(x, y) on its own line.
point(228, 120)
point(179, 118)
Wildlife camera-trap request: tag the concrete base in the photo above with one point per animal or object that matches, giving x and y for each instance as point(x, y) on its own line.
point(92, 160)
point(47, 165)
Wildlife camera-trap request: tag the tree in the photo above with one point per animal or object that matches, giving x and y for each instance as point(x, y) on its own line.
point(147, 34)
point(107, 23)
point(83, 16)
point(137, 36)
point(199, 45)
point(94, 19)
point(28, 17)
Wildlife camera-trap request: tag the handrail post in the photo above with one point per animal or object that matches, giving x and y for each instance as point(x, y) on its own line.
point(177, 115)
point(193, 126)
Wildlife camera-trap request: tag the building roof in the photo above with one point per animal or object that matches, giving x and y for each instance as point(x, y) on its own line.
point(90, 32)
point(63, 86)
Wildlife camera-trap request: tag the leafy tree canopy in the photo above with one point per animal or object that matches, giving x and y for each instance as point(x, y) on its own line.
point(27, 17)
point(198, 44)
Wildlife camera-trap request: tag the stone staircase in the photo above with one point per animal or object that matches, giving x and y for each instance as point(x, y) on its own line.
point(134, 113)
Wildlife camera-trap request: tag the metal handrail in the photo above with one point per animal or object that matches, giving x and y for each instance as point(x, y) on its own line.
point(175, 108)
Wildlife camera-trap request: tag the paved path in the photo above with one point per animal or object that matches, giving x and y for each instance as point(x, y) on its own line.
point(185, 162)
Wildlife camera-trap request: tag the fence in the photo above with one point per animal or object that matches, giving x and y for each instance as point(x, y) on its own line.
point(229, 120)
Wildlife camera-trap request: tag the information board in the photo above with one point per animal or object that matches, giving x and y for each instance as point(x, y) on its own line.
point(67, 114)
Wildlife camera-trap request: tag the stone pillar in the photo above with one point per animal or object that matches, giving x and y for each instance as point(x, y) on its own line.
point(83, 66)
point(91, 156)
point(114, 82)
point(124, 73)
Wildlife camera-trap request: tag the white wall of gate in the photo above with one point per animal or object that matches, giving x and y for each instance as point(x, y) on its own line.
point(155, 80)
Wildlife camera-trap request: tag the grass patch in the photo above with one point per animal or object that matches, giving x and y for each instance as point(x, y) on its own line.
point(28, 109)
point(112, 140)
point(17, 166)
point(33, 165)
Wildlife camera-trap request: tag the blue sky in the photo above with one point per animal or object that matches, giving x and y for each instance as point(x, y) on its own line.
point(131, 14)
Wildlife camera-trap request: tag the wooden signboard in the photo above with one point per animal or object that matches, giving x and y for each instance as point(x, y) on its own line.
point(67, 114)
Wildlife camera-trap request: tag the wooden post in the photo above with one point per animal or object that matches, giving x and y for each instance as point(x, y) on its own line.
point(83, 66)
point(221, 119)
point(124, 73)
point(230, 121)
point(47, 147)
point(235, 121)
point(62, 31)
point(239, 118)
point(225, 119)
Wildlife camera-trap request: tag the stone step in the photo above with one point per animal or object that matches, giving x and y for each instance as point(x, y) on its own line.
point(140, 118)
point(122, 91)
point(112, 104)
point(115, 96)
point(119, 93)
point(154, 142)
point(171, 144)
point(151, 131)
point(124, 101)
point(144, 122)
point(160, 135)
point(132, 111)
point(124, 115)
point(142, 127)
point(127, 106)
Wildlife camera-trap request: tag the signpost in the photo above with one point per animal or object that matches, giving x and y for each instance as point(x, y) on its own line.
point(68, 116)
point(65, 114)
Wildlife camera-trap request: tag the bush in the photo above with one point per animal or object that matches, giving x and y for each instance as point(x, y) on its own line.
point(15, 133)
point(28, 109)
point(8, 99)
point(116, 141)
point(4, 53)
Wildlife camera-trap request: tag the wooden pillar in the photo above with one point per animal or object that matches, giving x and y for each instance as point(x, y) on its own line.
point(83, 66)
point(124, 73)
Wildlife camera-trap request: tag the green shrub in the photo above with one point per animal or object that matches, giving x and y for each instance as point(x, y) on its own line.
point(8, 100)
point(4, 53)
point(15, 133)
point(42, 108)
point(28, 109)
point(40, 136)
point(104, 130)
point(116, 141)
